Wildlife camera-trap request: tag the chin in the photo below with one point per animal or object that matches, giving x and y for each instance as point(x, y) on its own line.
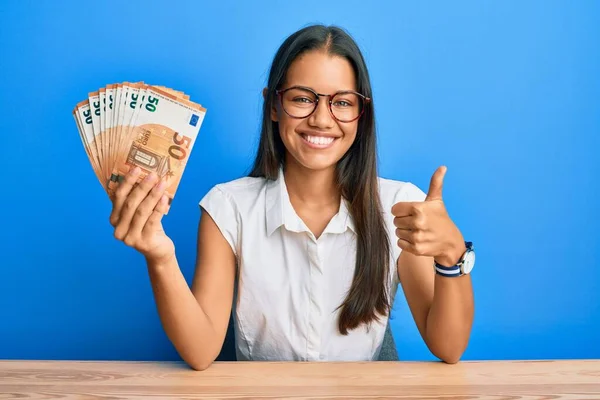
point(316, 164)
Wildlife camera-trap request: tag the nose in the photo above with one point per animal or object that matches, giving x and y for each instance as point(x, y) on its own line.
point(322, 117)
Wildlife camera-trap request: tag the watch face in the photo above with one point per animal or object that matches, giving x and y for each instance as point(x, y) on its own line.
point(469, 262)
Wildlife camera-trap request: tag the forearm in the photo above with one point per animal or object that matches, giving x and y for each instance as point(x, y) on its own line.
point(450, 317)
point(185, 323)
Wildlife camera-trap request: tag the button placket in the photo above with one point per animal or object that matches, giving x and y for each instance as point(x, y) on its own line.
point(316, 289)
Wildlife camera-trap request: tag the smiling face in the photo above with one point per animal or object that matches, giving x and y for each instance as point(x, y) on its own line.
point(318, 141)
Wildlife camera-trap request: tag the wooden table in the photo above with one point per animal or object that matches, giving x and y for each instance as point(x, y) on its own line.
point(578, 379)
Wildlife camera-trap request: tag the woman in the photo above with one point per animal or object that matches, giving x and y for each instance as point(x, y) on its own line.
point(310, 247)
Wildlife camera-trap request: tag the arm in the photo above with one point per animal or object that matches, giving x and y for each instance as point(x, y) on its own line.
point(196, 320)
point(442, 307)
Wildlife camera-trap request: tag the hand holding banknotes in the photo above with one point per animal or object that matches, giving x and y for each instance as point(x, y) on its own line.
point(138, 139)
point(137, 213)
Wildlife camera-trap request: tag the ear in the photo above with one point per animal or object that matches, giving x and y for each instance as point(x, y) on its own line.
point(274, 116)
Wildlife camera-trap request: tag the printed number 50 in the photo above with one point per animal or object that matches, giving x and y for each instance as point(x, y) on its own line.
point(152, 103)
point(177, 151)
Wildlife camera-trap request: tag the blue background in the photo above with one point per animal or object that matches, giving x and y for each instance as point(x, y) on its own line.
point(506, 94)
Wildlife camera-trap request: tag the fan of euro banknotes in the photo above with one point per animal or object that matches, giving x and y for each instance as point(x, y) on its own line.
point(134, 124)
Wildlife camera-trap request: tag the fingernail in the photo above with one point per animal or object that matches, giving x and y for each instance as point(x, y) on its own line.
point(151, 176)
point(162, 184)
point(136, 170)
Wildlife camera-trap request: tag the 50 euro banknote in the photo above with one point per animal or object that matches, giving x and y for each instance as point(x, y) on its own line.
point(133, 124)
point(159, 139)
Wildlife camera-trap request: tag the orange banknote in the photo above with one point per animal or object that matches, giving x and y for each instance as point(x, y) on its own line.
point(134, 124)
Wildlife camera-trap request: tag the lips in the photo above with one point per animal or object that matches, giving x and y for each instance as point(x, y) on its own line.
point(318, 141)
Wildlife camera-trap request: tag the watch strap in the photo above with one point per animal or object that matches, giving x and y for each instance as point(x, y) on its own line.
point(454, 270)
point(449, 272)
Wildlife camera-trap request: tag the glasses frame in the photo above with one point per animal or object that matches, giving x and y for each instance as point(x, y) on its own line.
point(366, 100)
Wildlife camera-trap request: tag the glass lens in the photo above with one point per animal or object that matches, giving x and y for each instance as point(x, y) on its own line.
point(299, 103)
point(346, 106)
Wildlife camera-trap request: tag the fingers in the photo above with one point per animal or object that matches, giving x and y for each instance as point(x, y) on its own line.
point(143, 212)
point(415, 241)
point(406, 208)
point(405, 223)
point(411, 229)
point(159, 211)
point(409, 243)
point(406, 245)
point(121, 194)
point(131, 203)
point(406, 235)
point(436, 184)
point(411, 222)
point(163, 205)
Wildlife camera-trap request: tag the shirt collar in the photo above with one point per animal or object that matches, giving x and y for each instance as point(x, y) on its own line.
point(280, 212)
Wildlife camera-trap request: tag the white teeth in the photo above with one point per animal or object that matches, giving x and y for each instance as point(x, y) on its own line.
point(320, 140)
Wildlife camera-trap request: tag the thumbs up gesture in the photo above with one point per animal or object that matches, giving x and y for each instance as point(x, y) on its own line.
point(425, 228)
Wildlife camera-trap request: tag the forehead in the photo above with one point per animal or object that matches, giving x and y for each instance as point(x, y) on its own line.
point(322, 72)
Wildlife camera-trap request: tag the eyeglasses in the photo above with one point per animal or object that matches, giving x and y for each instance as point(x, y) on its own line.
point(301, 102)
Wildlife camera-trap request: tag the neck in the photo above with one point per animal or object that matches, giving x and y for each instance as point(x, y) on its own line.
point(310, 187)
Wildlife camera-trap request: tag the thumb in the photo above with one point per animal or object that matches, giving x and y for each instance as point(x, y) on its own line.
point(436, 184)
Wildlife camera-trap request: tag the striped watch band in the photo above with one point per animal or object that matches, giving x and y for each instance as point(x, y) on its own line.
point(455, 270)
point(448, 271)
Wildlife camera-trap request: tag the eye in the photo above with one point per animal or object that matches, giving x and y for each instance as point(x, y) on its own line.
point(304, 100)
point(342, 103)
point(345, 100)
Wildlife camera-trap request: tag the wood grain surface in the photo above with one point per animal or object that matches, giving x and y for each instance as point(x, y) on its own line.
point(564, 379)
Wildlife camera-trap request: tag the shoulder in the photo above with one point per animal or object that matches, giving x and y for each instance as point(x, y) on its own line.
point(241, 187)
point(393, 191)
point(237, 193)
point(230, 203)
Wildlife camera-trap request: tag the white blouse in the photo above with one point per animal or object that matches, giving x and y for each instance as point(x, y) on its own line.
point(290, 283)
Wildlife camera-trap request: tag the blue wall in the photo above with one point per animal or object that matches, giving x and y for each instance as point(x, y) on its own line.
point(506, 94)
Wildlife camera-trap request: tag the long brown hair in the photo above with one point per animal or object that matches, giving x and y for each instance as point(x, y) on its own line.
point(356, 173)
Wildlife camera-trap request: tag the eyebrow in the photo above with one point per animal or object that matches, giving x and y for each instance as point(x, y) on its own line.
point(319, 92)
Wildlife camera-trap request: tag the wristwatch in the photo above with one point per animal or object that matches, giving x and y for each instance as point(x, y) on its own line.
point(463, 267)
